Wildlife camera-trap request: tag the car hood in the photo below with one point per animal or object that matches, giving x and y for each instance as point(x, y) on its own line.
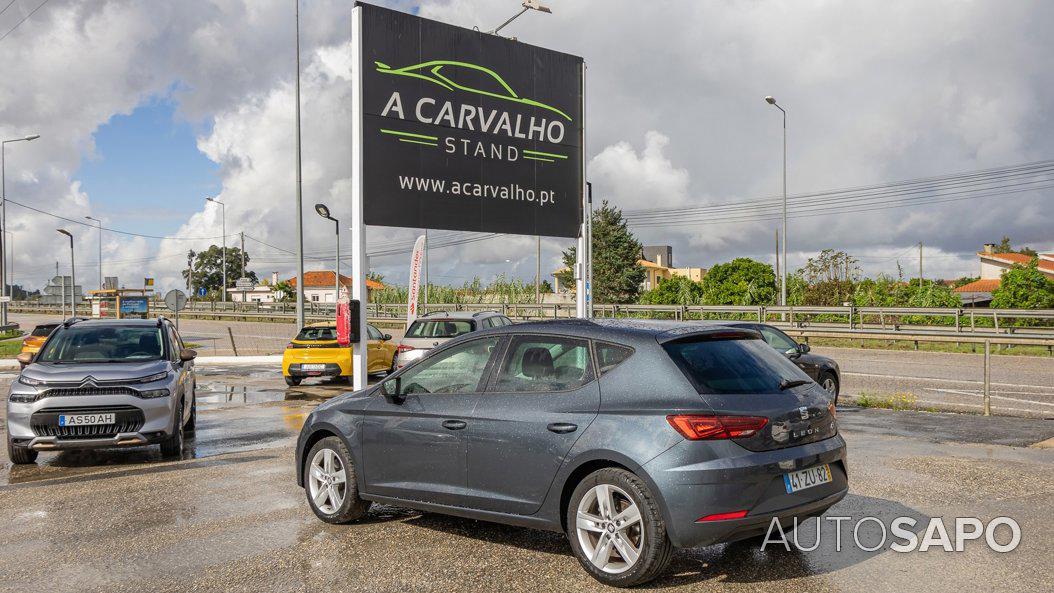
point(111, 371)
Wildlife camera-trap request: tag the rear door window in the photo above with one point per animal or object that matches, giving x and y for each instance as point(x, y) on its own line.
point(732, 364)
point(544, 363)
point(610, 356)
point(439, 328)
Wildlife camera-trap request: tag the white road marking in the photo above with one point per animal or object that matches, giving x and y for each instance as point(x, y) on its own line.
point(945, 380)
point(981, 395)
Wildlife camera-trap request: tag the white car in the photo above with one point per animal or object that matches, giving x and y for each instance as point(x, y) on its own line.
point(435, 328)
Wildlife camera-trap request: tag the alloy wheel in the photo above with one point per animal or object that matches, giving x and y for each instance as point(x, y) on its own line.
point(829, 385)
point(327, 481)
point(609, 528)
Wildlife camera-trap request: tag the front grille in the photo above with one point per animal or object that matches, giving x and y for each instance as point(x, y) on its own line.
point(45, 423)
point(84, 391)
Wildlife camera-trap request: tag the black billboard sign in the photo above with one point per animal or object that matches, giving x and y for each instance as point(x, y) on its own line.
point(468, 131)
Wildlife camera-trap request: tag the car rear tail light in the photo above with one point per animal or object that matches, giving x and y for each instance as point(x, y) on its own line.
point(695, 427)
point(722, 516)
point(404, 348)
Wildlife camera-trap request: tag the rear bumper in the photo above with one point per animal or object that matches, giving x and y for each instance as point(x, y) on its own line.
point(332, 370)
point(699, 478)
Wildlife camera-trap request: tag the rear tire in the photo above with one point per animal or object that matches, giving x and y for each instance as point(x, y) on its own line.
point(625, 543)
point(292, 381)
point(173, 445)
point(20, 455)
point(330, 483)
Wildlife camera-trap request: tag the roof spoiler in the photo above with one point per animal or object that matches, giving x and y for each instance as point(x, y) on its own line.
point(708, 333)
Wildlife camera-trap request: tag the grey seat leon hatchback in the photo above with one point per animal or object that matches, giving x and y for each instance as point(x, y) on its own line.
point(632, 438)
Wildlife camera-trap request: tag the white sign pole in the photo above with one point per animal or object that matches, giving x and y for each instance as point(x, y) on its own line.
point(416, 257)
point(583, 264)
point(358, 228)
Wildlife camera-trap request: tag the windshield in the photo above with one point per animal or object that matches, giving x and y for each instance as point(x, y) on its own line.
point(737, 365)
point(103, 344)
point(439, 328)
point(314, 334)
point(43, 331)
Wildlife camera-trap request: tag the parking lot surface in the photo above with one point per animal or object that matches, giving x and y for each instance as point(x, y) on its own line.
point(229, 517)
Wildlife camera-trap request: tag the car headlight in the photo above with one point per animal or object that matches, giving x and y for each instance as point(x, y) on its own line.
point(152, 378)
point(153, 393)
point(29, 381)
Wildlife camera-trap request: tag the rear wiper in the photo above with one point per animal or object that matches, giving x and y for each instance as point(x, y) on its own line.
point(788, 383)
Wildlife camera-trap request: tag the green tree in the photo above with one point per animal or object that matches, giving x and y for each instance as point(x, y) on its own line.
point(1024, 287)
point(208, 268)
point(617, 275)
point(829, 278)
point(285, 291)
point(678, 290)
point(742, 281)
point(1005, 247)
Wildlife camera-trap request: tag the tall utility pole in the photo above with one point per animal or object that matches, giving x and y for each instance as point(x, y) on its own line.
point(538, 272)
point(920, 264)
point(299, 194)
point(73, 276)
point(98, 222)
point(223, 219)
point(778, 277)
point(243, 253)
point(3, 219)
point(783, 277)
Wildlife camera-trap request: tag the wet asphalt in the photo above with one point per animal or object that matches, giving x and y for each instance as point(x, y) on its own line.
point(229, 517)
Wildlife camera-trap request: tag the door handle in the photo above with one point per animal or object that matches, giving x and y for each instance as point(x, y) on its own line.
point(454, 424)
point(562, 427)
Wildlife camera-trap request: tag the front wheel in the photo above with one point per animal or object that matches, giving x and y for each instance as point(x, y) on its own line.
point(20, 455)
point(329, 481)
point(616, 529)
point(173, 445)
point(830, 384)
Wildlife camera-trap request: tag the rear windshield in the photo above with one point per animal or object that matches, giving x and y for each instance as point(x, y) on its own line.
point(43, 331)
point(735, 365)
point(309, 334)
point(440, 328)
point(104, 344)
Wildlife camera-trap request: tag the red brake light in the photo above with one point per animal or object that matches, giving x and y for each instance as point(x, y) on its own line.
point(722, 516)
point(404, 348)
point(696, 427)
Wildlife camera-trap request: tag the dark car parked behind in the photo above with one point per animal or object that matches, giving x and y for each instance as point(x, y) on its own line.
point(633, 438)
point(822, 369)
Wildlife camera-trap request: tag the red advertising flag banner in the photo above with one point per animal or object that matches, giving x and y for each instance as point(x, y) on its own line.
point(416, 260)
point(343, 318)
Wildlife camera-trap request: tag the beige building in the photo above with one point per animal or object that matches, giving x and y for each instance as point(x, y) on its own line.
point(657, 261)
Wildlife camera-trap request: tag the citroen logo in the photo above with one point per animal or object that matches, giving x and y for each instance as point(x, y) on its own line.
point(89, 381)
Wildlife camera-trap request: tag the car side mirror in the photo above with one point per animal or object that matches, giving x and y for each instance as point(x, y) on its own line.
point(386, 337)
point(187, 354)
point(24, 358)
point(393, 388)
point(803, 348)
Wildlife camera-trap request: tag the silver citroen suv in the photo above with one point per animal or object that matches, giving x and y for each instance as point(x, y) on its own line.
point(103, 383)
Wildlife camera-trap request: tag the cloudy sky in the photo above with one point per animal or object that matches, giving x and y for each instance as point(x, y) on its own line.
point(146, 107)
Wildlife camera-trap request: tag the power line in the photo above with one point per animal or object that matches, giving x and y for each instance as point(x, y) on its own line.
point(24, 19)
point(108, 229)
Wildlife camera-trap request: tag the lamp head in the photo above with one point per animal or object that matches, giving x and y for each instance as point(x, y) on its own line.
point(770, 100)
point(32, 137)
point(322, 210)
point(65, 232)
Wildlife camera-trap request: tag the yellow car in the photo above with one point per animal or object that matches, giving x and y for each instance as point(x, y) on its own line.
point(314, 353)
point(37, 337)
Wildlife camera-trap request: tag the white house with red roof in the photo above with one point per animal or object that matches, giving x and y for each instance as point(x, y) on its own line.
point(318, 287)
point(979, 292)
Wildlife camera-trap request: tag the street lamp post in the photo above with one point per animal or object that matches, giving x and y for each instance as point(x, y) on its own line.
point(323, 211)
point(98, 222)
point(223, 219)
point(783, 279)
point(73, 276)
point(299, 192)
point(3, 219)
